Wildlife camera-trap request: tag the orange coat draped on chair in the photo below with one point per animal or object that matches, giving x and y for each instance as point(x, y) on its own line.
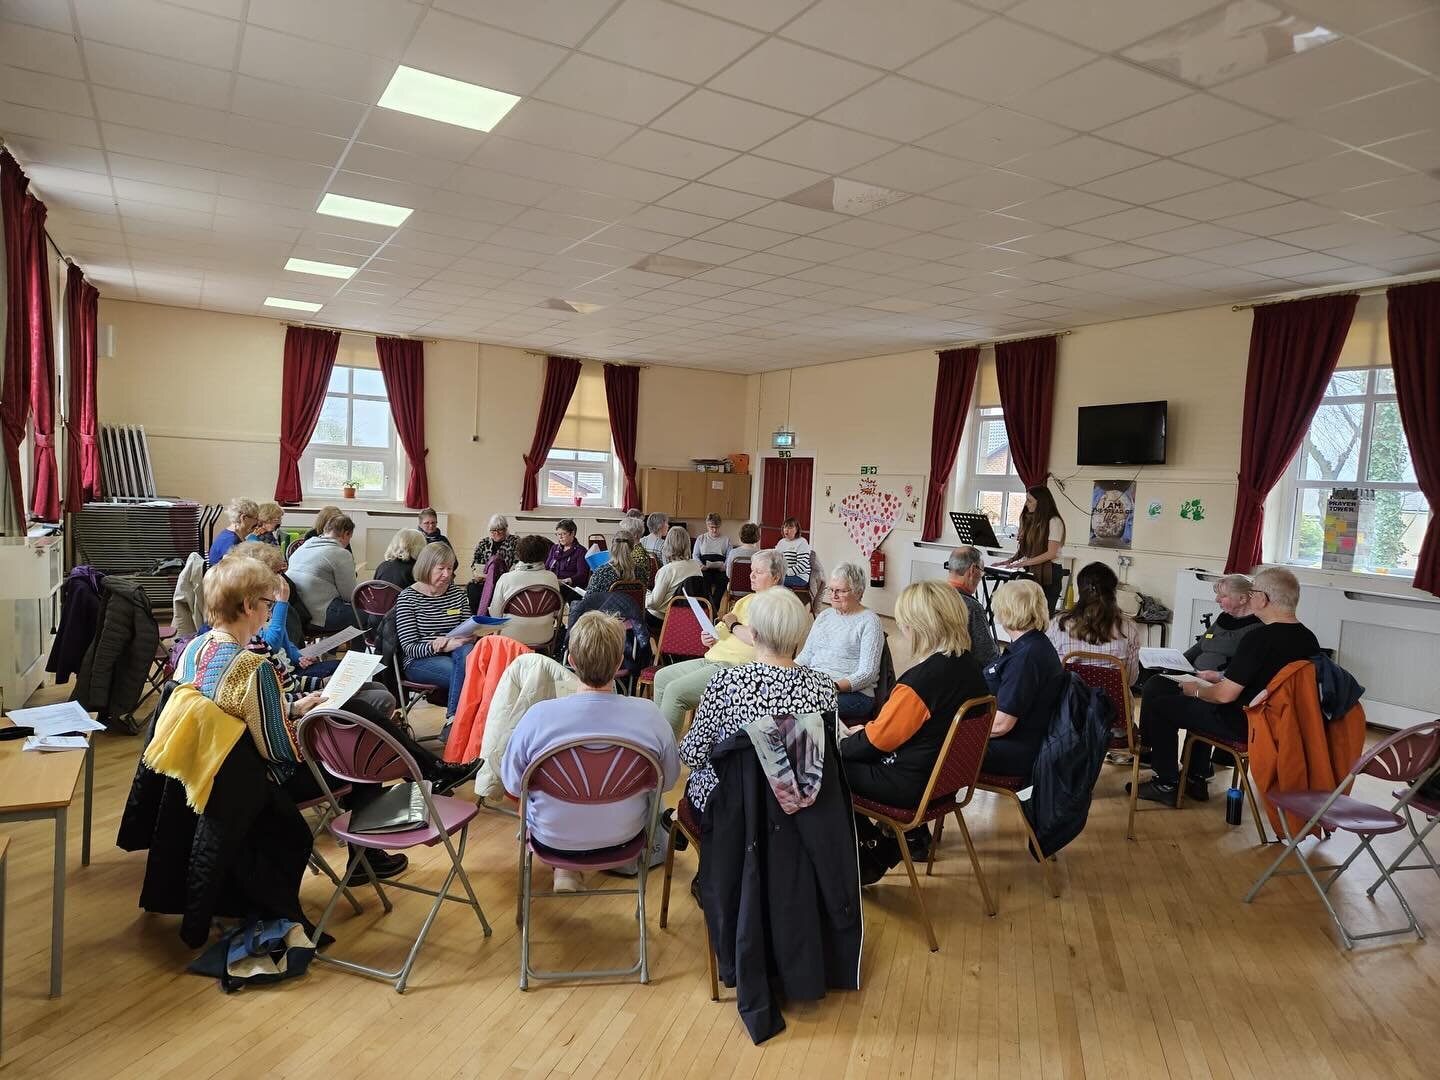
point(488, 660)
point(1292, 748)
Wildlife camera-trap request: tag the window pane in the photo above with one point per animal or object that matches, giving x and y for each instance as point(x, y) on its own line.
point(369, 381)
point(1389, 452)
point(330, 473)
point(590, 485)
point(1014, 504)
point(339, 380)
point(1309, 538)
point(993, 453)
point(991, 504)
point(559, 485)
point(1385, 381)
point(1344, 383)
point(591, 455)
point(331, 428)
point(368, 475)
point(371, 424)
point(1331, 450)
point(1396, 529)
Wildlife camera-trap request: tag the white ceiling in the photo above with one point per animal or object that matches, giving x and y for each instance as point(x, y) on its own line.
point(182, 146)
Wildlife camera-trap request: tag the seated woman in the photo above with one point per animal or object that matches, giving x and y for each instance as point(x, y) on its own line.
point(498, 542)
point(566, 559)
point(267, 523)
point(241, 516)
point(891, 758)
point(594, 711)
point(772, 684)
point(653, 539)
point(276, 633)
point(620, 567)
point(679, 567)
point(323, 517)
point(528, 572)
point(1096, 623)
point(428, 524)
point(239, 596)
point(749, 544)
point(633, 529)
point(425, 613)
point(398, 566)
point(1214, 649)
point(1027, 680)
point(846, 643)
point(711, 548)
point(795, 550)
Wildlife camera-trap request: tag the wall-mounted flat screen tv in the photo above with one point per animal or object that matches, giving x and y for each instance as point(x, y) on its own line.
point(1129, 434)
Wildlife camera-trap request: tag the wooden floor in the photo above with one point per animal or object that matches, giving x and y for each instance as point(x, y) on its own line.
point(1148, 965)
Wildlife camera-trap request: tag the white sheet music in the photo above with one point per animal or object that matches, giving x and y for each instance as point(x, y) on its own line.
point(63, 718)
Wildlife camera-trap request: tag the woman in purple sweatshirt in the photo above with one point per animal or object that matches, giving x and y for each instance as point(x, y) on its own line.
point(567, 558)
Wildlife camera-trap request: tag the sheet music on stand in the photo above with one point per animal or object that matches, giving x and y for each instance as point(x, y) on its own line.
point(974, 529)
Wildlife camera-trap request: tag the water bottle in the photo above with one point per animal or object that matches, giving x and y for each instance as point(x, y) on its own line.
point(1234, 805)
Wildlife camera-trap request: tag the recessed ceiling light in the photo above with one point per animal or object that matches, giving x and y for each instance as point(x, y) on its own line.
point(435, 97)
point(670, 264)
point(377, 213)
point(292, 305)
point(845, 197)
point(579, 307)
point(1240, 37)
point(320, 269)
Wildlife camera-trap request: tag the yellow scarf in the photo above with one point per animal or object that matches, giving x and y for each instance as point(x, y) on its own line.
point(193, 736)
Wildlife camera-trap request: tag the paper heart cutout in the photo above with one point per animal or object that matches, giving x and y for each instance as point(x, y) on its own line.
point(868, 516)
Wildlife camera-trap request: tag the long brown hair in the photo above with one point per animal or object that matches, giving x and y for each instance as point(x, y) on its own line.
point(1096, 616)
point(1035, 525)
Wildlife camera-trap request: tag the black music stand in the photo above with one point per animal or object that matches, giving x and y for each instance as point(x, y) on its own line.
point(974, 529)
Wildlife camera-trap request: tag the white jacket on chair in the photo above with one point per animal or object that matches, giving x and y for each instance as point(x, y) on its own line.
point(529, 678)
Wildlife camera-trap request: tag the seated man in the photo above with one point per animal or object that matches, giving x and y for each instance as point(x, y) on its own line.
point(597, 644)
point(1213, 704)
point(678, 687)
point(323, 571)
point(966, 566)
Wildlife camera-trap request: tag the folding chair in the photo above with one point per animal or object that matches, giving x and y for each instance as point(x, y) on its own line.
point(1239, 749)
point(1011, 787)
point(1406, 757)
point(1429, 806)
point(372, 601)
point(318, 862)
point(354, 750)
point(588, 772)
point(536, 602)
point(687, 823)
point(956, 769)
point(1108, 674)
point(679, 640)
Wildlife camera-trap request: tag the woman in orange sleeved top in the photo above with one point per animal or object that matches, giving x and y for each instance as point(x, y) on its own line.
point(890, 759)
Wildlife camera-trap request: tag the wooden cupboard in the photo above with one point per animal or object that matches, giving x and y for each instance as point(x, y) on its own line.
point(690, 495)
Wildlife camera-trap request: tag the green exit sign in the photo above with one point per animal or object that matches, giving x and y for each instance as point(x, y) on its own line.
point(869, 470)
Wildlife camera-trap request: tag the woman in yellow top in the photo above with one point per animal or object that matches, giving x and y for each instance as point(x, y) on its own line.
point(678, 687)
point(1041, 535)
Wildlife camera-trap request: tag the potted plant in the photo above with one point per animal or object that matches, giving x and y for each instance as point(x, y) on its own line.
point(348, 489)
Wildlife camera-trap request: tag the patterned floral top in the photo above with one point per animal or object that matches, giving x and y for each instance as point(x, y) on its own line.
point(246, 686)
point(487, 549)
point(736, 696)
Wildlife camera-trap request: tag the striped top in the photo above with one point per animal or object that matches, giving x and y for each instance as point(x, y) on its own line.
point(1125, 648)
point(245, 685)
point(796, 554)
point(420, 619)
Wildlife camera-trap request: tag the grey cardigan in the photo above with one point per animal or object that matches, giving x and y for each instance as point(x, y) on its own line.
point(322, 571)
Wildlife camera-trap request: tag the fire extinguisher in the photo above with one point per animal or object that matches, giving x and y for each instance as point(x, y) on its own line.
point(877, 569)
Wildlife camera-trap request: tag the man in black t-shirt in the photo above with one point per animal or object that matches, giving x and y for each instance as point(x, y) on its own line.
point(1213, 704)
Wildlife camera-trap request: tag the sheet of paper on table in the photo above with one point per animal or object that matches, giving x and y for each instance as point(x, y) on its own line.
point(62, 718)
point(1165, 660)
point(354, 672)
point(56, 742)
point(324, 645)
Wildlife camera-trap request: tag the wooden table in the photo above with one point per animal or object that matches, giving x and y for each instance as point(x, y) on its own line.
point(39, 785)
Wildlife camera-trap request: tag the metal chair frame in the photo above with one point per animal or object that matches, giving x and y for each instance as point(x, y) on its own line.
point(1076, 661)
point(1431, 809)
point(992, 783)
point(527, 893)
point(389, 761)
point(1239, 776)
point(318, 863)
point(1381, 760)
point(679, 826)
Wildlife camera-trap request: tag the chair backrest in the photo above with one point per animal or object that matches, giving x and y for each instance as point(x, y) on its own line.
point(680, 632)
point(1106, 673)
point(374, 598)
point(635, 589)
point(353, 749)
point(1403, 757)
point(293, 546)
point(958, 766)
point(597, 539)
point(592, 772)
point(806, 597)
point(740, 577)
point(533, 602)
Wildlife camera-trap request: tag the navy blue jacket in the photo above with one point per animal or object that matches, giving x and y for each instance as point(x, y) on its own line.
point(1069, 764)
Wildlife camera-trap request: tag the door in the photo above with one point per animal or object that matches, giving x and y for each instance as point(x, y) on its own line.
point(785, 490)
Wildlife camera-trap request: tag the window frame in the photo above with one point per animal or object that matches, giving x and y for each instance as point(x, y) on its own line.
point(1284, 501)
point(970, 483)
point(568, 458)
point(392, 457)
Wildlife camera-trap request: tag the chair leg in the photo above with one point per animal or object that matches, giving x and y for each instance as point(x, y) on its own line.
point(710, 957)
point(1134, 792)
point(1045, 861)
point(526, 866)
point(1184, 771)
point(640, 879)
point(1242, 772)
point(1291, 847)
point(319, 864)
point(974, 862)
point(1418, 841)
point(669, 871)
point(458, 859)
point(915, 886)
point(935, 843)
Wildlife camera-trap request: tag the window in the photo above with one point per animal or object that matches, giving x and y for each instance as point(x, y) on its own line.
point(354, 440)
point(992, 486)
point(1356, 441)
point(582, 464)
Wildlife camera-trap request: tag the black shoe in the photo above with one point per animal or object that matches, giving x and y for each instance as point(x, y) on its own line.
point(384, 864)
point(695, 891)
point(446, 776)
point(1197, 789)
point(1155, 791)
point(918, 841)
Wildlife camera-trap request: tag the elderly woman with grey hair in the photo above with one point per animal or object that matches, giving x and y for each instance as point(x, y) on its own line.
point(846, 642)
point(656, 527)
point(500, 541)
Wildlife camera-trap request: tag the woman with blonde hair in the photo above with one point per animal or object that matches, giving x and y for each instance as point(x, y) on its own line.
point(398, 566)
point(267, 524)
point(680, 566)
point(242, 515)
point(1026, 679)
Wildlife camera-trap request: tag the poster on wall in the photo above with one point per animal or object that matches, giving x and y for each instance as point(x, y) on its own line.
point(1112, 513)
point(869, 506)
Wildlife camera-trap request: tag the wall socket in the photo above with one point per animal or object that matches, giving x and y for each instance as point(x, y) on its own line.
point(1126, 560)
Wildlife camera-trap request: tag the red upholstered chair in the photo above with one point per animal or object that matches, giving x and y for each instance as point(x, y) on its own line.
point(679, 640)
point(597, 540)
point(739, 582)
point(1239, 750)
point(1108, 674)
point(951, 785)
point(589, 773)
point(1009, 787)
point(634, 589)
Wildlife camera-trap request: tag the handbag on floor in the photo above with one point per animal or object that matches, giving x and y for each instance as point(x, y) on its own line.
point(256, 953)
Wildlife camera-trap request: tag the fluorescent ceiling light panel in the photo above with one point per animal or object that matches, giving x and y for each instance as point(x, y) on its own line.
point(845, 197)
point(672, 265)
point(320, 269)
point(436, 97)
point(1240, 37)
point(292, 305)
point(578, 307)
point(377, 213)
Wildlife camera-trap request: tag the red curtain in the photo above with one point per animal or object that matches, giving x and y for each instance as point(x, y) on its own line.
point(954, 380)
point(82, 457)
point(1025, 371)
point(561, 375)
point(622, 398)
point(45, 499)
point(15, 389)
point(309, 356)
point(1293, 350)
point(402, 365)
point(1414, 315)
